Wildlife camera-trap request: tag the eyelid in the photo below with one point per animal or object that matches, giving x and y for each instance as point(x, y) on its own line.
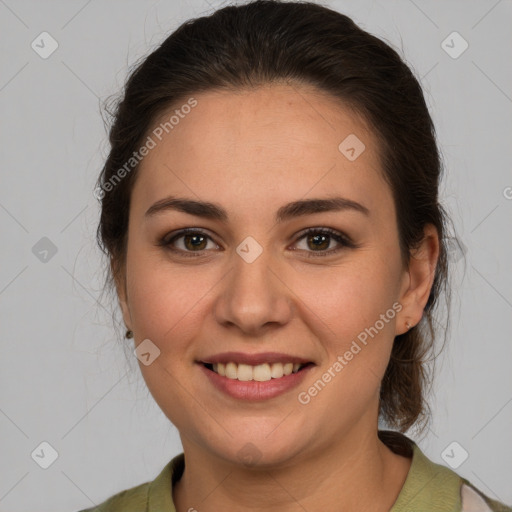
point(169, 237)
point(324, 230)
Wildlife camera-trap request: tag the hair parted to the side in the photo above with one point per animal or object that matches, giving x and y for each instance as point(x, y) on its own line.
point(269, 41)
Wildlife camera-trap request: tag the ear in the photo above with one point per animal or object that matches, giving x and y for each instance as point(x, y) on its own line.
point(418, 280)
point(120, 283)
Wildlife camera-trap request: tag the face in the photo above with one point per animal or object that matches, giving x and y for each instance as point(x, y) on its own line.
point(249, 279)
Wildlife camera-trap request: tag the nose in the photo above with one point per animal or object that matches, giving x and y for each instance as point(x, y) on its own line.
point(254, 297)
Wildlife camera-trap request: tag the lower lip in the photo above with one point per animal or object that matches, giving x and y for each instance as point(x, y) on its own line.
point(254, 390)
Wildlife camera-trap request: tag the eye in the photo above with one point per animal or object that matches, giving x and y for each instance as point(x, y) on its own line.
point(189, 240)
point(193, 242)
point(320, 239)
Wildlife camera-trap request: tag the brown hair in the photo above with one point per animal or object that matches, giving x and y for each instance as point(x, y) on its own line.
point(269, 41)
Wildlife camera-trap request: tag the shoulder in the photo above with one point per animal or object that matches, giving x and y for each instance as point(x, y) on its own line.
point(434, 487)
point(152, 496)
point(472, 500)
point(134, 499)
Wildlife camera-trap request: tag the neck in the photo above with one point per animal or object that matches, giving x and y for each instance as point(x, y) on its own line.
point(358, 473)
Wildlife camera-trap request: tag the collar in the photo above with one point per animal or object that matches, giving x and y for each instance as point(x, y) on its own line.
point(428, 486)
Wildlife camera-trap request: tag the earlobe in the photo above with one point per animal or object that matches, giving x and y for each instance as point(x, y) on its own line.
point(419, 279)
point(126, 312)
point(120, 284)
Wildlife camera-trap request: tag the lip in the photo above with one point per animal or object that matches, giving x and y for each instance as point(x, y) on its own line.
point(253, 390)
point(253, 359)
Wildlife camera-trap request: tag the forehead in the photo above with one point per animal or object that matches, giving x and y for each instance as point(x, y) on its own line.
point(253, 145)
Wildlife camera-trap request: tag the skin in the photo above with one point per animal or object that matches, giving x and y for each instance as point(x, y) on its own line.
point(252, 152)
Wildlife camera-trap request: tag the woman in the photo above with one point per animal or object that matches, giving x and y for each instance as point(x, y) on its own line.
point(270, 211)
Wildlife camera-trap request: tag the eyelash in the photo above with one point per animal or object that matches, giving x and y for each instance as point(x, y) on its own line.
point(343, 240)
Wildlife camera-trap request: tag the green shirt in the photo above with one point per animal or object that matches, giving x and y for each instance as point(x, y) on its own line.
point(429, 487)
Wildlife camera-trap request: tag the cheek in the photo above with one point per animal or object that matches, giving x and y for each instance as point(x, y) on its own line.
point(355, 323)
point(166, 305)
point(347, 298)
point(352, 311)
point(163, 296)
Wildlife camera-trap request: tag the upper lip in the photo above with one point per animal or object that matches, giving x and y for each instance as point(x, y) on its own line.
point(253, 359)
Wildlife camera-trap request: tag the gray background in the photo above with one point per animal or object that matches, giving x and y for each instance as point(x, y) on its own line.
point(64, 378)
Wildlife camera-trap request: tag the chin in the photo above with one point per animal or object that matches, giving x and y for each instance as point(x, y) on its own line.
point(258, 451)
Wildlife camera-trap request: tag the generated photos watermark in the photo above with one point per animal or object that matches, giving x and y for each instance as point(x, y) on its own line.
point(304, 397)
point(149, 144)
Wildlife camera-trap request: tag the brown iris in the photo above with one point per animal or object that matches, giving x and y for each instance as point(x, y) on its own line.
point(324, 241)
point(196, 241)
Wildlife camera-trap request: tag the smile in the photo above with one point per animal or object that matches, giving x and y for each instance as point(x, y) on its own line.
point(255, 382)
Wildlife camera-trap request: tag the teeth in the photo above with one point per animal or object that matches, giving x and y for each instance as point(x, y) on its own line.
point(231, 371)
point(276, 370)
point(244, 372)
point(260, 373)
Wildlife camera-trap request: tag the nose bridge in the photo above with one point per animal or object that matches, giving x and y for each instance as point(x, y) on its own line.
point(253, 295)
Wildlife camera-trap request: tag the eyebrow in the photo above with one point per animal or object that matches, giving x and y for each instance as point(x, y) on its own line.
point(289, 211)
